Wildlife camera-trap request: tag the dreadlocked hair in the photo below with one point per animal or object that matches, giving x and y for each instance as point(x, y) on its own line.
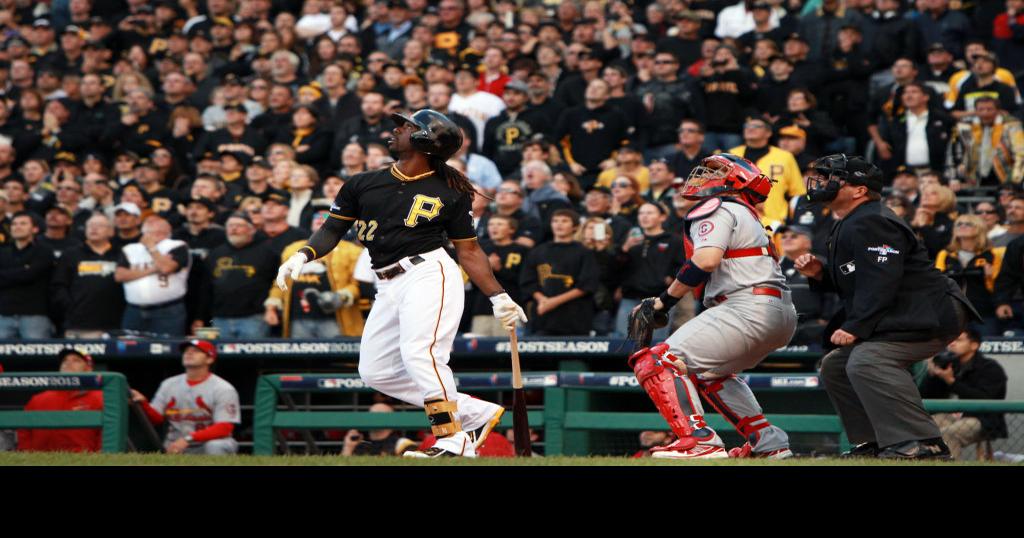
point(456, 180)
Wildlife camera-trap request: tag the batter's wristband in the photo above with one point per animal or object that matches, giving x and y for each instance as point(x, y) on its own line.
point(668, 300)
point(692, 276)
point(308, 252)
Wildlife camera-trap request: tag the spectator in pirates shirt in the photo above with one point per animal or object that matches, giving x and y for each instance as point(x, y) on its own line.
point(648, 263)
point(276, 232)
point(241, 272)
point(25, 268)
point(559, 277)
point(372, 126)
point(83, 286)
point(127, 224)
point(505, 133)
point(506, 259)
point(591, 132)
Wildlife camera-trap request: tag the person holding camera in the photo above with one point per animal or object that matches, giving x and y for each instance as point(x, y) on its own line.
point(964, 372)
point(376, 442)
point(323, 301)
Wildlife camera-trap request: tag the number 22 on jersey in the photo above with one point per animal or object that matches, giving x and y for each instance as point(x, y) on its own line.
point(365, 230)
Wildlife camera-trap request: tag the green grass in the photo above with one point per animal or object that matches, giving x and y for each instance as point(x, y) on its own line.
point(57, 459)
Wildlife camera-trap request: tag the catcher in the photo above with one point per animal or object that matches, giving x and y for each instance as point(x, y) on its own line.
point(749, 314)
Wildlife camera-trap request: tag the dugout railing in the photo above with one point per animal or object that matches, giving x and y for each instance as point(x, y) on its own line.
point(113, 419)
point(561, 419)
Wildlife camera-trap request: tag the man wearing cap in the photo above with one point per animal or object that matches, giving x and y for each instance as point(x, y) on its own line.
point(897, 310)
point(72, 361)
point(983, 82)
point(738, 19)
point(939, 24)
point(43, 40)
point(25, 268)
point(127, 224)
point(814, 307)
point(240, 273)
point(154, 272)
point(821, 27)
point(794, 140)
point(236, 135)
point(505, 134)
point(276, 233)
point(200, 408)
point(667, 100)
point(940, 69)
point(57, 235)
point(777, 163)
point(685, 45)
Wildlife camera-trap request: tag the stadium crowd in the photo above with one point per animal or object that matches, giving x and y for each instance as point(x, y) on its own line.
point(160, 159)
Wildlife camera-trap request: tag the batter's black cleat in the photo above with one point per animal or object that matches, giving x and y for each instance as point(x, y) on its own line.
point(925, 449)
point(863, 450)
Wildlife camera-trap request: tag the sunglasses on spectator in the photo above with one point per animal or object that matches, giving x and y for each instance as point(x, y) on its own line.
point(509, 190)
point(664, 62)
point(755, 125)
point(986, 211)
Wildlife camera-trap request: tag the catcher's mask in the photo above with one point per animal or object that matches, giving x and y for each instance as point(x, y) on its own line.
point(437, 136)
point(829, 174)
point(725, 174)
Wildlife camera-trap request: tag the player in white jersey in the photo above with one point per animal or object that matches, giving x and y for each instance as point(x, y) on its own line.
point(200, 408)
point(749, 314)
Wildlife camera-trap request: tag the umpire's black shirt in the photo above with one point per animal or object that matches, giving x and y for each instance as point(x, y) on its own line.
point(889, 289)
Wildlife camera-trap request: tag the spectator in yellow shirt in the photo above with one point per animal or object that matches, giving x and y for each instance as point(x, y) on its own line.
point(775, 163)
point(628, 162)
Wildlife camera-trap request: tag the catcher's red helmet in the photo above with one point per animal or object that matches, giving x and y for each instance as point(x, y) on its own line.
point(724, 174)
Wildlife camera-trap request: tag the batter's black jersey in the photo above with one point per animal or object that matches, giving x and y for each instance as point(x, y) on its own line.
point(398, 216)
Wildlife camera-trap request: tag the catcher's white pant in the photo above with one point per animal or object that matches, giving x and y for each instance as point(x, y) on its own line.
point(409, 333)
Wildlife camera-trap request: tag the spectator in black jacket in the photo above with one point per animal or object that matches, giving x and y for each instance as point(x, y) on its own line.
point(140, 127)
point(919, 135)
point(933, 219)
point(774, 87)
point(559, 277)
point(647, 262)
point(57, 235)
point(982, 82)
point(234, 136)
point(83, 287)
point(505, 134)
point(813, 306)
point(690, 148)
point(728, 91)
point(591, 133)
point(969, 375)
point(311, 140)
point(888, 35)
point(667, 100)
point(508, 202)
point(802, 111)
point(372, 126)
point(279, 115)
point(845, 90)
point(25, 269)
point(241, 272)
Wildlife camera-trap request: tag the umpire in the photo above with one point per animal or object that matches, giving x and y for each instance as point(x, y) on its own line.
point(897, 310)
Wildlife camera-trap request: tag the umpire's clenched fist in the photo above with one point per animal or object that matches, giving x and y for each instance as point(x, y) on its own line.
point(809, 266)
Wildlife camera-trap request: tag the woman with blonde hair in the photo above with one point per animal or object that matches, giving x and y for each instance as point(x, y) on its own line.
point(128, 81)
point(974, 264)
point(933, 220)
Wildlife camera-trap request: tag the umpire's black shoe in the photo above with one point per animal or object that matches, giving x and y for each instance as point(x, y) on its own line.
point(925, 449)
point(863, 450)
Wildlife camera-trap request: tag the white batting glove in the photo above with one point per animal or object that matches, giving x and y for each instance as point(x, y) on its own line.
point(507, 311)
point(347, 299)
point(292, 266)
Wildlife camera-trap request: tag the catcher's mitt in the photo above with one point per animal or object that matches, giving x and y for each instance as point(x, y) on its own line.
point(645, 320)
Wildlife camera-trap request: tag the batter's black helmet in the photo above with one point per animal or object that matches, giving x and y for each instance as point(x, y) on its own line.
point(438, 136)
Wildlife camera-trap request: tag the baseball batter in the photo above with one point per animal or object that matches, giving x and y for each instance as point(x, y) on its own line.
point(405, 214)
point(750, 314)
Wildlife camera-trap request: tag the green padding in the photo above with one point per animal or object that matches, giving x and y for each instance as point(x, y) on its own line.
point(51, 419)
point(973, 406)
point(651, 421)
point(402, 420)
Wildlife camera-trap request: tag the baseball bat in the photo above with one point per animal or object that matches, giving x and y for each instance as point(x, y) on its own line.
point(520, 423)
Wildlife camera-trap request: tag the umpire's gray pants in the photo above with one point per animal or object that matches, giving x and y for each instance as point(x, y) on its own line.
point(873, 391)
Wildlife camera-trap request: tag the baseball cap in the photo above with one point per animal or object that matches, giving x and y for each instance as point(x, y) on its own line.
point(204, 201)
point(230, 79)
point(128, 207)
point(72, 29)
point(517, 85)
point(241, 215)
point(861, 172)
point(796, 37)
point(282, 198)
point(72, 351)
point(795, 228)
point(144, 163)
point(308, 108)
point(793, 131)
point(58, 207)
point(42, 22)
point(236, 107)
point(688, 14)
point(262, 163)
point(202, 345)
point(937, 47)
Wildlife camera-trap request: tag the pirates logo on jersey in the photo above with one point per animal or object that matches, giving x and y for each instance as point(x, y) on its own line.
point(428, 207)
point(592, 125)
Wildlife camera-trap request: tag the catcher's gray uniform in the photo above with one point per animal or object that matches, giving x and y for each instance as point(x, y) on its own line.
point(750, 314)
point(189, 408)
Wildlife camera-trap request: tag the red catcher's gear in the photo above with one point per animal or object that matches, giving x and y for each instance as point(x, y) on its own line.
point(660, 384)
point(727, 174)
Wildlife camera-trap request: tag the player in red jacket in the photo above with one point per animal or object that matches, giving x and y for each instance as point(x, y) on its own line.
point(65, 440)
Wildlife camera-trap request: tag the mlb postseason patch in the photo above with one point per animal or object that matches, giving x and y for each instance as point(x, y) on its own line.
point(847, 268)
point(883, 252)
